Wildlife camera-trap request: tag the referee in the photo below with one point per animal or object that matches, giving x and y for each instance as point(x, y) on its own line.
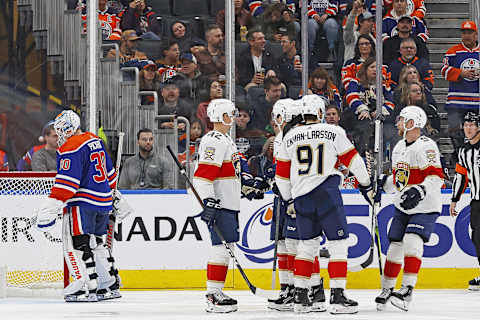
point(467, 172)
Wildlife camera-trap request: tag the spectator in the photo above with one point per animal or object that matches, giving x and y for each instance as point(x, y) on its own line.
point(252, 64)
point(25, 163)
point(129, 55)
point(257, 7)
point(260, 162)
point(211, 59)
point(332, 115)
point(190, 78)
point(415, 8)
point(262, 108)
point(109, 21)
point(364, 49)
point(321, 84)
point(149, 80)
point(366, 23)
point(183, 36)
point(197, 130)
point(3, 161)
point(213, 90)
point(289, 69)
point(170, 63)
point(274, 25)
point(145, 170)
point(171, 104)
point(391, 46)
point(408, 51)
point(243, 124)
point(46, 158)
point(461, 67)
point(322, 14)
point(362, 100)
point(141, 18)
point(399, 12)
point(408, 75)
point(243, 18)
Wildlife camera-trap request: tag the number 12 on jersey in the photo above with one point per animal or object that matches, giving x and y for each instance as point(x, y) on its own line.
point(305, 156)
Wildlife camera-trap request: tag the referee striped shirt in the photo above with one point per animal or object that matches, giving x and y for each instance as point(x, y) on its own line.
point(467, 172)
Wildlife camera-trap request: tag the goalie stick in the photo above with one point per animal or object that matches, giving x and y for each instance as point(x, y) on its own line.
point(113, 216)
point(256, 291)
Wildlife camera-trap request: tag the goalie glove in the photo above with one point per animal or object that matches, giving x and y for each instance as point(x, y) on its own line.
point(49, 211)
point(121, 208)
point(290, 204)
point(412, 196)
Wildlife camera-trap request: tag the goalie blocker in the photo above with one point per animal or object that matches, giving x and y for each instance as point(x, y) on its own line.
point(84, 184)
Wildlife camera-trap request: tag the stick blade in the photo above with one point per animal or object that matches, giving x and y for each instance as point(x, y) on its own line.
point(267, 294)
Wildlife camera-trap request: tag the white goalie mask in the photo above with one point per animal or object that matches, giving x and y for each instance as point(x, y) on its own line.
point(66, 124)
point(414, 113)
point(293, 110)
point(313, 104)
point(279, 110)
point(218, 107)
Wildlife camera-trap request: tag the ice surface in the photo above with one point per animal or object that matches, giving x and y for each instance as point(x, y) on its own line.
point(172, 305)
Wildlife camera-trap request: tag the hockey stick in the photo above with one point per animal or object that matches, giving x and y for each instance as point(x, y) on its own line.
point(113, 216)
point(275, 248)
point(256, 291)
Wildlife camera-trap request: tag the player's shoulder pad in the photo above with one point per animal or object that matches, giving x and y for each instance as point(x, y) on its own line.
point(75, 142)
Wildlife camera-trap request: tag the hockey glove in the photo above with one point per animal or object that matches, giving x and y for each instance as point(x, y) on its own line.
point(382, 179)
point(261, 186)
point(210, 211)
point(121, 208)
point(291, 208)
point(49, 211)
point(269, 173)
point(275, 190)
point(248, 182)
point(367, 192)
point(412, 196)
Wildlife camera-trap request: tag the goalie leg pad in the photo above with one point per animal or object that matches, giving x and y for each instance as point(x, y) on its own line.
point(108, 279)
point(306, 252)
point(393, 264)
point(413, 244)
point(337, 265)
point(217, 267)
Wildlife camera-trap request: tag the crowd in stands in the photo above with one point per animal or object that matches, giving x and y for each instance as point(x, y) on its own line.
point(190, 71)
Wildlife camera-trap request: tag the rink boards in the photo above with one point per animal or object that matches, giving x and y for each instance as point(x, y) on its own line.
point(166, 245)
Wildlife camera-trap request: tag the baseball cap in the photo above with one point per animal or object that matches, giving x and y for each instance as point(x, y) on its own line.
point(130, 35)
point(149, 63)
point(188, 56)
point(405, 17)
point(365, 16)
point(469, 25)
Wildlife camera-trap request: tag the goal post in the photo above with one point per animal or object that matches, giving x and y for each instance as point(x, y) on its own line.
point(31, 261)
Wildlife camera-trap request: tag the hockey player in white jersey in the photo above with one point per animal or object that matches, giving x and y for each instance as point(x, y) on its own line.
point(306, 173)
point(217, 180)
point(416, 180)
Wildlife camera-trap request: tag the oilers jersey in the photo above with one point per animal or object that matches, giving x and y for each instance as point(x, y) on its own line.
point(462, 93)
point(85, 173)
point(417, 163)
point(217, 174)
point(320, 7)
point(389, 27)
point(25, 164)
point(308, 156)
point(109, 22)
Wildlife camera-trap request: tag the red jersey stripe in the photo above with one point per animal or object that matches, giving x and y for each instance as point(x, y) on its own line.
point(283, 169)
point(347, 157)
point(207, 171)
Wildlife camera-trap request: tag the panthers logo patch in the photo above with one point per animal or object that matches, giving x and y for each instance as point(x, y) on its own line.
point(236, 161)
point(402, 173)
point(209, 153)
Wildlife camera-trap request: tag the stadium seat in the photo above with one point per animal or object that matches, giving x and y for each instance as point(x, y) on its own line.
point(190, 8)
point(161, 7)
point(215, 6)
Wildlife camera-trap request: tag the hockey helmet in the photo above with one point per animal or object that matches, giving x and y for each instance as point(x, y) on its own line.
point(279, 110)
point(414, 113)
point(218, 107)
point(66, 124)
point(293, 110)
point(312, 104)
point(472, 117)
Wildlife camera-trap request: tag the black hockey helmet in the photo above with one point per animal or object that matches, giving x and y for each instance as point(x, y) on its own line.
point(472, 117)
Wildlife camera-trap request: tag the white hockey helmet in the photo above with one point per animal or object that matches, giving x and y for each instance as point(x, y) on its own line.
point(293, 110)
point(414, 113)
point(312, 104)
point(279, 110)
point(66, 124)
point(218, 107)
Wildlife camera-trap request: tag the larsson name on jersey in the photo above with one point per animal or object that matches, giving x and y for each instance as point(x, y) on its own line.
point(311, 135)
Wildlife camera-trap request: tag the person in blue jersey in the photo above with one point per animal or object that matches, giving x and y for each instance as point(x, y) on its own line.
point(83, 188)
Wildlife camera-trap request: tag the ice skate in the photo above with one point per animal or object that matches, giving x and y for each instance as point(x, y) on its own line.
point(402, 298)
point(219, 302)
point(318, 298)
point(339, 304)
point(284, 302)
point(81, 296)
point(302, 303)
point(474, 284)
point(383, 298)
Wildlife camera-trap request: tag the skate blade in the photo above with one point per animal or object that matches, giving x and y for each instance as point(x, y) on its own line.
point(473, 288)
point(221, 309)
point(82, 298)
point(399, 303)
point(281, 307)
point(319, 307)
point(381, 306)
point(343, 310)
point(298, 308)
point(109, 296)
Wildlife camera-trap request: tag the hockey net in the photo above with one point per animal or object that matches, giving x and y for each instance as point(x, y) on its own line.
point(31, 261)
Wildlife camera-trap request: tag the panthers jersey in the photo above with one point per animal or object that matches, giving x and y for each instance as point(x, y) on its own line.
point(85, 173)
point(308, 156)
point(417, 163)
point(218, 170)
point(277, 144)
